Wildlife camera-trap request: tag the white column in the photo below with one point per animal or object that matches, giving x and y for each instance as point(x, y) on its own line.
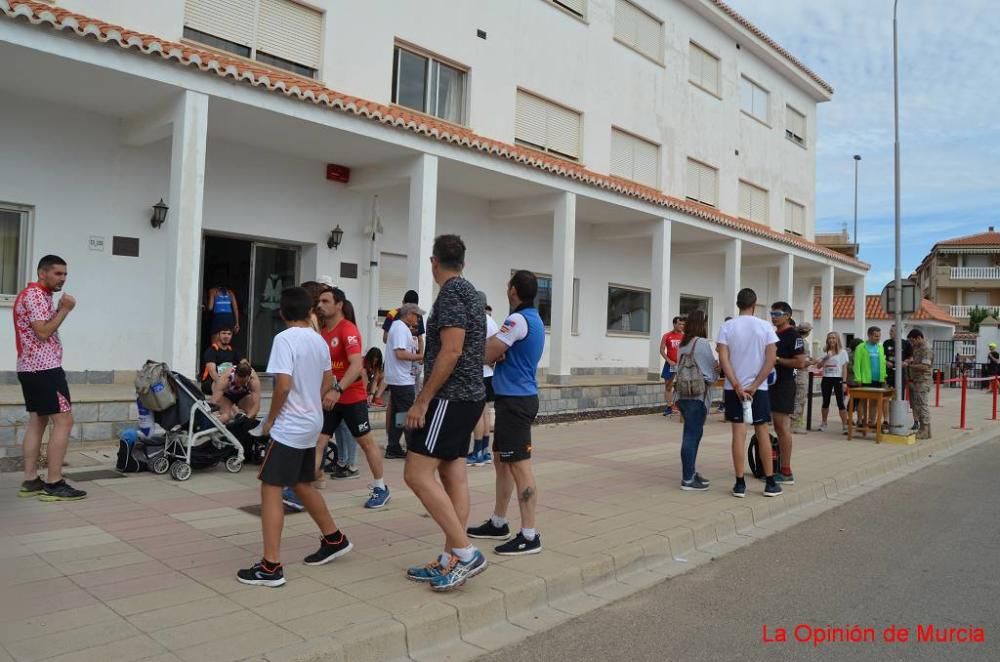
point(731, 283)
point(422, 226)
point(826, 303)
point(786, 268)
point(563, 254)
point(860, 308)
point(659, 298)
point(183, 228)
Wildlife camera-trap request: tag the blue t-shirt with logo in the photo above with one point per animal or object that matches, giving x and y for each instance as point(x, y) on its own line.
point(524, 334)
point(876, 363)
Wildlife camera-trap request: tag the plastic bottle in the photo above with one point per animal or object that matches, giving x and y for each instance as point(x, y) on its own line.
point(748, 411)
point(146, 421)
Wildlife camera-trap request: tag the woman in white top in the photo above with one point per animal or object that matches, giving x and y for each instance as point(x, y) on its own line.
point(834, 364)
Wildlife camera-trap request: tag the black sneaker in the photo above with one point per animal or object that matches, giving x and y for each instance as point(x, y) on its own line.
point(344, 472)
point(395, 454)
point(740, 490)
point(698, 476)
point(520, 545)
point(328, 551)
point(488, 530)
point(61, 491)
point(694, 484)
point(772, 490)
point(260, 574)
point(30, 488)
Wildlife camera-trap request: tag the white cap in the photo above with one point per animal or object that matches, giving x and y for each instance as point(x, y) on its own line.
point(324, 280)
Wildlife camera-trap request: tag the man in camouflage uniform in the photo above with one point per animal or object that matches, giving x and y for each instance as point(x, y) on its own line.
point(802, 383)
point(919, 372)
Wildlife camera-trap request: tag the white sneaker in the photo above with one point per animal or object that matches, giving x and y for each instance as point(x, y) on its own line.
point(259, 430)
point(822, 427)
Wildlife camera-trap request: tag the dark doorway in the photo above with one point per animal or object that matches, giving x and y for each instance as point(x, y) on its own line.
point(227, 262)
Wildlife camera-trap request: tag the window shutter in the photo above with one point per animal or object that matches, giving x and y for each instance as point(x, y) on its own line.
point(563, 131)
point(710, 72)
point(758, 209)
point(646, 161)
point(638, 29)
point(290, 31)
point(575, 6)
point(746, 200)
point(232, 20)
point(621, 154)
point(693, 179)
point(795, 217)
point(796, 122)
point(625, 24)
point(391, 280)
point(530, 123)
point(709, 185)
point(694, 63)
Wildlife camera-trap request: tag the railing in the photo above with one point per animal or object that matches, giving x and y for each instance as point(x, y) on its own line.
point(975, 273)
point(963, 311)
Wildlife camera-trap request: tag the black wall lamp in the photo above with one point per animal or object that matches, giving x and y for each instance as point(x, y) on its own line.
point(159, 214)
point(336, 236)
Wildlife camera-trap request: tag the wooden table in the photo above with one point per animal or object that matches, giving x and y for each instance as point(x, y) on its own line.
point(878, 396)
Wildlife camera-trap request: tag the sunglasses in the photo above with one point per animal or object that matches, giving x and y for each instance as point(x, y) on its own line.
point(778, 313)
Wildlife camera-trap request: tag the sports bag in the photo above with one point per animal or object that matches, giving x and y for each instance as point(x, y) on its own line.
point(128, 460)
point(689, 382)
point(154, 387)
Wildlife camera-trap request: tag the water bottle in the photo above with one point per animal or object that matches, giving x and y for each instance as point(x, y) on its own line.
point(748, 411)
point(146, 421)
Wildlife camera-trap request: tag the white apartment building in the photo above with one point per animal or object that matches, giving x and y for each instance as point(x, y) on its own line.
point(644, 157)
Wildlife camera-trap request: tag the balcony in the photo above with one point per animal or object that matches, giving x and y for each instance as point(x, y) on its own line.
point(963, 311)
point(975, 273)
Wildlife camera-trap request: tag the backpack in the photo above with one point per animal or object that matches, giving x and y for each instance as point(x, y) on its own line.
point(689, 382)
point(128, 461)
point(154, 387)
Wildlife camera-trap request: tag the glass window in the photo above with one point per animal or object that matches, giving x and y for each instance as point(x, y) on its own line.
point(689, 304)
point(754, 99)
point(543, 300)
point(13, 224)
point(429, 86)
point(628, 310)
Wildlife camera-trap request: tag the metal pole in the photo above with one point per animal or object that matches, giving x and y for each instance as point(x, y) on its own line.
point(857, 157)
point(898, 408)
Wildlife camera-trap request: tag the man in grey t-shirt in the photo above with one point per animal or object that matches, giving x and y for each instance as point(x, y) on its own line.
point(444, 414)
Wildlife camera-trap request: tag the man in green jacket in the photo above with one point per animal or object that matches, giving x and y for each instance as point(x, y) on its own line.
point(869, 366)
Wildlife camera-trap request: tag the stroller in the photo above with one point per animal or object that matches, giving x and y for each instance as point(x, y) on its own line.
point(195, 437)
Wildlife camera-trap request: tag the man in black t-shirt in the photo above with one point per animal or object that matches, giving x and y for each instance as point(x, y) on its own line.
point(791, 356)
point(216, 358)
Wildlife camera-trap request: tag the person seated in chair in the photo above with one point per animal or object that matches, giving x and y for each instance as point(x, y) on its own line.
point(237, 390)
point(217, 357)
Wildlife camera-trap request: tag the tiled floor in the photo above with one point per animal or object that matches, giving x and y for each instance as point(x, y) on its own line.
point(144, 568)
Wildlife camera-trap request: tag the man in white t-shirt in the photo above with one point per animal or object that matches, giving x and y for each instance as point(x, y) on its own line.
point(747, 350)
point(300, 363)
point(401, 353)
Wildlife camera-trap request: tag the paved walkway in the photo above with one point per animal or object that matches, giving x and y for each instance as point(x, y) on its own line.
point(144, 568)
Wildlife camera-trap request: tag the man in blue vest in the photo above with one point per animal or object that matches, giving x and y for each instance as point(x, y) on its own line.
point(516, 350)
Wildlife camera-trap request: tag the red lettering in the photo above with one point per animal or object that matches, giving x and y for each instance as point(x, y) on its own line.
point(803, 633)
point(778, 636)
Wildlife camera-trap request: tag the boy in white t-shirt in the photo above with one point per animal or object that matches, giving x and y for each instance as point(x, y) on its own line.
point(300, 363)
point(747, 351)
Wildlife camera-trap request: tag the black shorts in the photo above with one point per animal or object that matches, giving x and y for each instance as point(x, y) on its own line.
point(447, 429)
point(355, 415)
point(235, 397)
point(734, 407)
point(512, 432)
point(284, 466)
point(45, 392)
point(782, 396)
point(488, 383)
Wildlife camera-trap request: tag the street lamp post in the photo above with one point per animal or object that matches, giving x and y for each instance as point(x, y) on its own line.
point(897, 412)
point(857, 157)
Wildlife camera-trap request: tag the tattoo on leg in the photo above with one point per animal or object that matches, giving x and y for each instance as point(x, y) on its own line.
point(526, 494)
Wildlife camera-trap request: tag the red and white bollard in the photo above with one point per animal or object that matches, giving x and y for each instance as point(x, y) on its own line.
point(961, 420)
point(937, 390)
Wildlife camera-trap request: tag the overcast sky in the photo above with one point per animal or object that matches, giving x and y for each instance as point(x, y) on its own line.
point(949, 87)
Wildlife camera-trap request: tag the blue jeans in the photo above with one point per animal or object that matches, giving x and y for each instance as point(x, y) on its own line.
point(347, 447)
point(694, 413)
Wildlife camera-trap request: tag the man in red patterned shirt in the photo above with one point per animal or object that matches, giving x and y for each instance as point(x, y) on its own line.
point(43, 382)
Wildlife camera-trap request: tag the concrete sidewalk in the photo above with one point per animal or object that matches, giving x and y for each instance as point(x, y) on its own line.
point(144, 568)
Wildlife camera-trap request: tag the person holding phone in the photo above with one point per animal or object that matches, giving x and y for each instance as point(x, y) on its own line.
point(401, 351)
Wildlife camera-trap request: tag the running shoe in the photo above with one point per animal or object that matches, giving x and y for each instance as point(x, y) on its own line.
point(520, 546)
point(740, 490)
point(474, 460)
point(61, 491)
point(329, 550)
point(426, 573)
point(377, 497)
point(291, 501)
point(489, 531)
point(694, 485)
point(487, 457)
point(344, 472)
point(458, 572)
point(395, 454)
point(669, 411)
point(784, 479)
point(30, 488)
point(822, 427)
point(260, 574)
point(773, 490)
point(698, 476)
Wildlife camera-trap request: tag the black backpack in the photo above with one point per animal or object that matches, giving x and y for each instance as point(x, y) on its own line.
point(129, 461)
point(753, 456)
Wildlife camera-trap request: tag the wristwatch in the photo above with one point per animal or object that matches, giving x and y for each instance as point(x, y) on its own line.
point(336, 387)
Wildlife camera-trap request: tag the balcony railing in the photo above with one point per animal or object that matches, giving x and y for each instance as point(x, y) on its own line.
point(963, 311)
point(975, 273)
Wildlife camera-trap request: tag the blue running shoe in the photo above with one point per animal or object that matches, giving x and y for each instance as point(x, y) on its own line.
point(473, 459)
point(291, 501)
point(378, 497)
point(458, 572)
point(426, 573)
point(487, 457)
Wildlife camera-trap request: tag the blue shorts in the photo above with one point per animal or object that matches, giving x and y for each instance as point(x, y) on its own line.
point(761, 405)
point(668, 372)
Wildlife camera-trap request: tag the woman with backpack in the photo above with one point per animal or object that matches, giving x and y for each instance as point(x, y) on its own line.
point(697, 370)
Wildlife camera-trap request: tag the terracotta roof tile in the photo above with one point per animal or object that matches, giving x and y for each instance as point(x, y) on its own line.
point(843, 309)
point(981, 239)
point(291, 85)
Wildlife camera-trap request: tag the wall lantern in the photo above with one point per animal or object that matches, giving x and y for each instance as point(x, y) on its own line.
point(159, 214)
point(336, 236)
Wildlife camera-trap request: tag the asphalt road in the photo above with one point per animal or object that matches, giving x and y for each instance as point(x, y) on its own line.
point(922, 550)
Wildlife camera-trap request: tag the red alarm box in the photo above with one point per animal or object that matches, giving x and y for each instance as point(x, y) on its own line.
point(338, 173)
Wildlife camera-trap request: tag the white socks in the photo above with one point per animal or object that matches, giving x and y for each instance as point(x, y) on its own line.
point(464, 554)
point(379, 483)
point(498, 521)
point(529, 534)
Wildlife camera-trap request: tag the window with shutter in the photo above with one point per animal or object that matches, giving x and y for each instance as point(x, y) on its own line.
point(795, 217)
point(280, 33)
point(702, 183)
point(391, 282)
point(635, 159)
point(578, 7)
point(547, 126)
point(754, 100)
point(795, 126)
point(639, 30)
point(753, 203)
point(703, 69)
